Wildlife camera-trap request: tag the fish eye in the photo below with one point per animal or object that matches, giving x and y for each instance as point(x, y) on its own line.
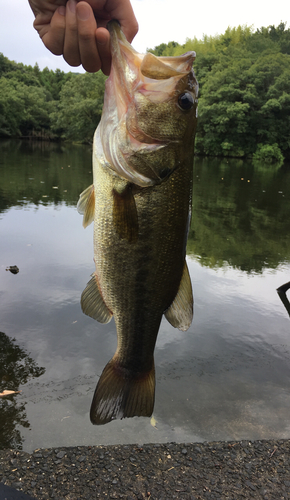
point(185, 101)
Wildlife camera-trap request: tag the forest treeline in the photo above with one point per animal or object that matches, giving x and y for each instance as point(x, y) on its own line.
point(244, 97)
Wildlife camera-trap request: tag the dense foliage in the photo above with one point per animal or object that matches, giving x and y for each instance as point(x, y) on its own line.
point(244, 103)
point(49, 104)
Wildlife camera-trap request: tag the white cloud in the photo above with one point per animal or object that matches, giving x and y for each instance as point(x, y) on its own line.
point(166, 20)
point(159, 21)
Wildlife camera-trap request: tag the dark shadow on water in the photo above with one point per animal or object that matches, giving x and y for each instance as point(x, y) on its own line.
point(282, 294)
point(16, 368)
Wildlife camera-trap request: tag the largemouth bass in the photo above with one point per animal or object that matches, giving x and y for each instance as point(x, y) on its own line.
point(140, 203)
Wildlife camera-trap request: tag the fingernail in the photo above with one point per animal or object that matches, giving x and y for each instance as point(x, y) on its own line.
point(61, 10)
point(72, 6)
point(83, 12)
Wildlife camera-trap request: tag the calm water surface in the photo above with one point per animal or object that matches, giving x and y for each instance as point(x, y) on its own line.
point(226, 378)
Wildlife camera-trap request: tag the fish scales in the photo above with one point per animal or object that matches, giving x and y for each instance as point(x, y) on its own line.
point(140, 203)
point(147, 279)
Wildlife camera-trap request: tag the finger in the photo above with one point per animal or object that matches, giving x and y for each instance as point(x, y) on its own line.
point(103, 44)
point(123, 11)
point(71, 51)
point(88, 48)
point(125, 15)
point(53, 34)
point(116, 9)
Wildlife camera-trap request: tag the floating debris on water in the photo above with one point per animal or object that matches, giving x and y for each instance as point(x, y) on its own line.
point(8, 393)
point(13, 269)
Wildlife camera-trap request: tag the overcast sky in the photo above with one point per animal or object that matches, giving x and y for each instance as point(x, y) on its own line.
point(159, 21)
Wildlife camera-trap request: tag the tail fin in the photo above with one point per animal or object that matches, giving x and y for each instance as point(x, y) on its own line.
point(121, 393)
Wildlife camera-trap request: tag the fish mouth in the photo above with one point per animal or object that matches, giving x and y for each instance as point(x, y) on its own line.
point(122, 135)
point(126, 64)
point(154, 77)
point(151, 66)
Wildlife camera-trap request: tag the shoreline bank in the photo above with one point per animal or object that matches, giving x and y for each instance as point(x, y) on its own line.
point(214, 470)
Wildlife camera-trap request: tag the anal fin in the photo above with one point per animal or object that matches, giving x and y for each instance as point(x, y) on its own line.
point(93, 304)
point(125, 214)
point(86, 205)
point(180, 313)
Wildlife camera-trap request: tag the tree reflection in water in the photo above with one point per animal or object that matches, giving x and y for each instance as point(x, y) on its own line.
point(16, 368)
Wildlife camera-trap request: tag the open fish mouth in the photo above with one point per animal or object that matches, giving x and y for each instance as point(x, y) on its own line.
point(154, 77)
point(141, 93)
point(128, 62)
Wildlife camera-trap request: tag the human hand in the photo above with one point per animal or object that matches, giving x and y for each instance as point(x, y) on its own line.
point(77, 29)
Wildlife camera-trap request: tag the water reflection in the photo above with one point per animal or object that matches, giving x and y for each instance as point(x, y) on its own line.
point(226, 378)
point(240, 215)
point(42, 173)
point(16, 368)
point(240, 210)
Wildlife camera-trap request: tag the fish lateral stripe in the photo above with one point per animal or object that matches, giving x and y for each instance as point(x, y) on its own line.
point(122, 393)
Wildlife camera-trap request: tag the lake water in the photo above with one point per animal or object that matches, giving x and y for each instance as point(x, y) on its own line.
point(226, 378)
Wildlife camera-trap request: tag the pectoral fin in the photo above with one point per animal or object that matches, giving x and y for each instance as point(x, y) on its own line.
point(125, 214)
point(180, 313)
point(86, 205)
point(93, 304)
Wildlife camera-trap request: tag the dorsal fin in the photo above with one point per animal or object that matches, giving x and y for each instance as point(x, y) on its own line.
point(93, 304)
point(86, 205)
point(180, 313)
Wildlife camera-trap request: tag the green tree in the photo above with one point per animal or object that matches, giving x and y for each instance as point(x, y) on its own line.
point(245, 101)
point(80, 107)
point(23, 108)
point(5, 64)
point(244, 94)
point(52, 81)
point(27, 97)
point(166, 49)
point(243, 89)
point(267, 153)
point(279, 35)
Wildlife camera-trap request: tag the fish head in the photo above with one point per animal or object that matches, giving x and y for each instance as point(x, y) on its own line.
point(150, 112)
